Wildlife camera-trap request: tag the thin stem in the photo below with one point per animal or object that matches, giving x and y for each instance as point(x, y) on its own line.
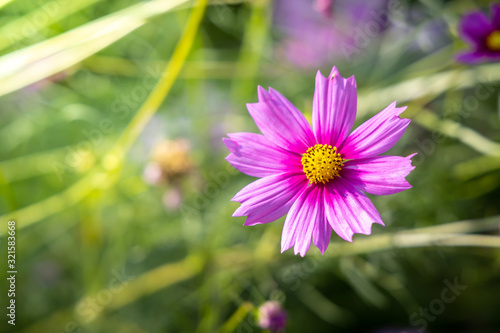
point(254, 42)
point(412, 89)
point(234, 321)
point(457, 131)
point(450, 234)
point(452, 240)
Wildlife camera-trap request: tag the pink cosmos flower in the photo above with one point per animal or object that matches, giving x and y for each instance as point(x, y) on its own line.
point(318, 175)
point(483, 34)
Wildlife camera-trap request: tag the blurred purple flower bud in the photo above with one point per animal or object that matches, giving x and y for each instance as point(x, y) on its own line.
point(272, 316)
point(173, 157)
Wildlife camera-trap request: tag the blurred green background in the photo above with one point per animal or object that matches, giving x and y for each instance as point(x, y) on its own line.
point(100, 99)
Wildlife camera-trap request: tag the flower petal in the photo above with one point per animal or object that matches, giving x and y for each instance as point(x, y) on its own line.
point(376, 135)
point(495, 16)
point(474, 28)
point(471, 57)
point(306, 219)
point(256, 156)
point(348, 210)
point(269, 198)
point(380, 175)
point(322, 231)
point(281, 122)
point(478, 57)
point(334, 107)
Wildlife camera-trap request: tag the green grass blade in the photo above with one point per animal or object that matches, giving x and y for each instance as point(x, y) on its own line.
point(4, 2)
point(33, 22)
point(34, 63)
point(375, 100)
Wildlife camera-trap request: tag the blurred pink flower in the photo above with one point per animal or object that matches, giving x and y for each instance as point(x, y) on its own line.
point(153, 174)
point(324, 7)
point(271, 316)
point(319, 33)
point(172, 198)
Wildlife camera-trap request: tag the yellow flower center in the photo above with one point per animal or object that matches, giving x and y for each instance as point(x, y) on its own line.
point(493, 41)
point(322, 163)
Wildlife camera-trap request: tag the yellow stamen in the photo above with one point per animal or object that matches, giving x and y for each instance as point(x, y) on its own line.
point(493, 41)
point(322, 163)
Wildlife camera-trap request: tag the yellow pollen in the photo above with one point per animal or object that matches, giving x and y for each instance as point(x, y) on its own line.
point(493, 41)
point(322, 163)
